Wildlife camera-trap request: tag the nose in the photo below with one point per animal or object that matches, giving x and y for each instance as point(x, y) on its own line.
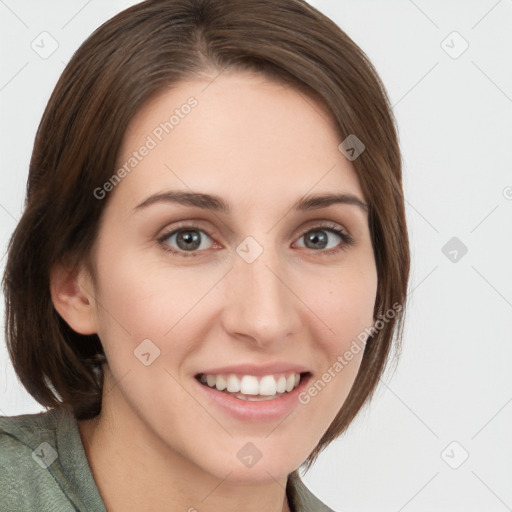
point(260, 306)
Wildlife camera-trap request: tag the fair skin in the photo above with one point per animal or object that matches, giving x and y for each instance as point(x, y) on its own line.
point(160, 443)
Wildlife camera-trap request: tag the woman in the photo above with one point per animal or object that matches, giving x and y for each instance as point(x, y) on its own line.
point(211, 266)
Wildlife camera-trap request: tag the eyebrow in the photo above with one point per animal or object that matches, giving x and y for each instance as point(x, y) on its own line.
point(218, 204)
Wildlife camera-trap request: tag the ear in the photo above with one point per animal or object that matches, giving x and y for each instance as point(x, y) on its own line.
point(71, 291)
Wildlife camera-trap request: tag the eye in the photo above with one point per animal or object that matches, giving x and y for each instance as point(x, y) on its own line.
point(326, 239)
point(189, 239)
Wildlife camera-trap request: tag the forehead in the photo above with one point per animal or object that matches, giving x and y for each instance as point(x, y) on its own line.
point(238, 135)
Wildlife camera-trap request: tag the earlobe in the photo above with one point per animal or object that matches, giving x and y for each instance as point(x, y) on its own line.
point(71, 291)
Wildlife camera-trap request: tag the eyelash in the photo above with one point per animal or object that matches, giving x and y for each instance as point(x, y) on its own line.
point(346, 240)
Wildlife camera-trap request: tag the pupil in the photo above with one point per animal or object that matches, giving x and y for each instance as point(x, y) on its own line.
point(315, 238)
point(189, 239)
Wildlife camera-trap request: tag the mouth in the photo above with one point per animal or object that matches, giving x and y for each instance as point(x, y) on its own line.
point(254, 388)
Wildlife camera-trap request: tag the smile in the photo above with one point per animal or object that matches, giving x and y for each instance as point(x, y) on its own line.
point(251, 387)
point(253, 392)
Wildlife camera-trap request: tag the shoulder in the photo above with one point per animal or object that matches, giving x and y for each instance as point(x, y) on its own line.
point(301, 498)
point(28, 447)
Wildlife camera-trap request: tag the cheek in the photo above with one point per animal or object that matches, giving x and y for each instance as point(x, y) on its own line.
point(136, 301)
point(145, 298)
point(345, 303)
point(345, 307)
point(141, 308)
point(143, 295)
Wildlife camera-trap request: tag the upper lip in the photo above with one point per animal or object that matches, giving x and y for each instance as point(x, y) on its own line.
point(256, 370)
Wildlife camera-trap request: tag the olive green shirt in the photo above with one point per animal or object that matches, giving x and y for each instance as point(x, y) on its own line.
point(43, 467)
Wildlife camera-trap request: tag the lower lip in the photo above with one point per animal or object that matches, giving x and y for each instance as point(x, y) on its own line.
point(258, 410)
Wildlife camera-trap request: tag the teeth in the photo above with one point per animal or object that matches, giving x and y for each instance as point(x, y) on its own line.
point(250, 387)
point(233, 384)
point(268, 386)
point(290, 382)
point(257, 398)
point(281, 384)
point(220, 383)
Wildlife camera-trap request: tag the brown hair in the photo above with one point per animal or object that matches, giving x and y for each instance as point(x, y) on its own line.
point(126, 61)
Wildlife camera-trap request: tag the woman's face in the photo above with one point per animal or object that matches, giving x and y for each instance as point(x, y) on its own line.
point(206, 267)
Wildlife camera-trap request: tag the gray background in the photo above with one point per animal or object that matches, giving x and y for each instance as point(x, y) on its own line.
point(451, 396)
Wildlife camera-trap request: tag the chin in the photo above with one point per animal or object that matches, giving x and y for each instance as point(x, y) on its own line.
point(255, 460)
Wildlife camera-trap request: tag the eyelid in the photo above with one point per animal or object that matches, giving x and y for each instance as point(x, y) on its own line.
point(346, 238)
point(191, 225)
point(195, 225)
point(323, 223)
